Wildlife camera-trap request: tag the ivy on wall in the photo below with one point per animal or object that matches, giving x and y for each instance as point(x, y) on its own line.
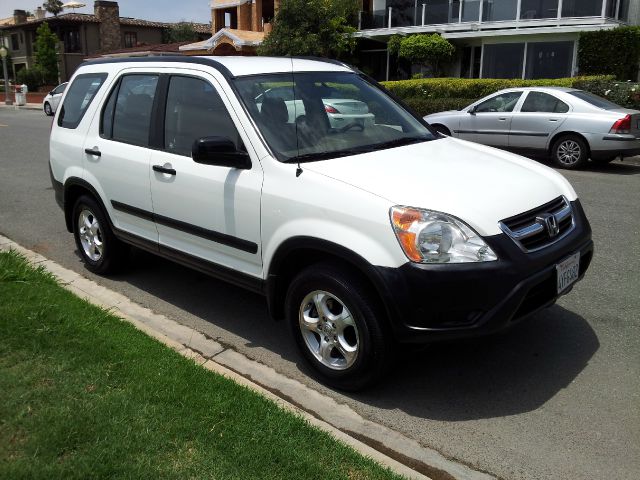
point(610, 52)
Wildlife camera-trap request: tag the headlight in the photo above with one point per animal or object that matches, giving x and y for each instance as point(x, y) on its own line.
point(434, 237)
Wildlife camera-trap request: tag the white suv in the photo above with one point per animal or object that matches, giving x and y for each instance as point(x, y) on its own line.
point(362, 236)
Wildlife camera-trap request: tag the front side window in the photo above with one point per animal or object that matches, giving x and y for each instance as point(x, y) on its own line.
point(81, 93)
point(59, 89)
point(538, 102)
point(195, 110)
point(314, 116)
point(503, 103)
point(127, 114)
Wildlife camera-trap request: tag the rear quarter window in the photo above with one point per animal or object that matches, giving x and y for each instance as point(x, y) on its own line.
point(80, 95)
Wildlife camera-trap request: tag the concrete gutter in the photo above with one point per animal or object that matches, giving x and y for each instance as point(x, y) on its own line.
point(389, 448)
point(28, 106)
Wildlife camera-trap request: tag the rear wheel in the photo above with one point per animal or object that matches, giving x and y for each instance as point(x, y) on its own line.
point(570, 152)
point(101, 251)
point(338, 327)
point(47, 109)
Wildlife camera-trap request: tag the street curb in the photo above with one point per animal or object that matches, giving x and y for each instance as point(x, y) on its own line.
point(389, 448)
point(28, 106)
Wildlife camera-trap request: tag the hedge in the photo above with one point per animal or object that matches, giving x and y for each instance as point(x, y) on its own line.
point(613, 52)
point(431, 95)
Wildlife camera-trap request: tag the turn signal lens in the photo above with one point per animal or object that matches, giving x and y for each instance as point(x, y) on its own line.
point(434, 237)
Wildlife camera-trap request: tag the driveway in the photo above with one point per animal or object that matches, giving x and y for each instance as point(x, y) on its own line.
point(556, 397)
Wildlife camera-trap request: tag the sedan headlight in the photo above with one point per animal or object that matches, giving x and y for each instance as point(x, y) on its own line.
point(434, 237)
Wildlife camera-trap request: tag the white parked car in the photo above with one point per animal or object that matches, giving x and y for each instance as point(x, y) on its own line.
point(361, 238)
point(568, 125)
point(51, 101)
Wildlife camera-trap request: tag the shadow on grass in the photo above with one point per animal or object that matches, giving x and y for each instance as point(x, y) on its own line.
point(496, 376)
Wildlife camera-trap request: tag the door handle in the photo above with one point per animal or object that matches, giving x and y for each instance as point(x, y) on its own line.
point(553, 119)
point(93, 151)
point(161, 169)
point(503, 119)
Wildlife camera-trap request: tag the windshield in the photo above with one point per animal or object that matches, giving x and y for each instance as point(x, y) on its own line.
point(595, 100)
point(314, 116)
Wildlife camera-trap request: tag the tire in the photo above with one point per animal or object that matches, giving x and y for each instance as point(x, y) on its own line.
point(348, 323)
point(47, 109)
point(570, 152)
point(100, 250)
point(442, 129)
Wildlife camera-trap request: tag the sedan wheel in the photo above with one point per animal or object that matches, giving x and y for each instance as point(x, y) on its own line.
point(47, 109)
point(570, 152)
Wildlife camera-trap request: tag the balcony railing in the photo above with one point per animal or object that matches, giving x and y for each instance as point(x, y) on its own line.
point(407, 13)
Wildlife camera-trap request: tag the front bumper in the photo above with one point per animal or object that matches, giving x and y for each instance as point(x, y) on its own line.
point(438, 302)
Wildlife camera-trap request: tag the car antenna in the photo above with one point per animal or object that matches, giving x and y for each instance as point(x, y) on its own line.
point(298, 170)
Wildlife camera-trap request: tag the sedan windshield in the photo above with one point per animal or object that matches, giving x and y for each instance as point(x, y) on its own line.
point(315, 116)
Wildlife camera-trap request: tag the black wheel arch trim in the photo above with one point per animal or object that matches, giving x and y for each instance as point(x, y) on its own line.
point(276, 287)
point(68, 208)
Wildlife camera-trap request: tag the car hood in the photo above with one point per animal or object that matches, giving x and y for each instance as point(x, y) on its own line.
point(478, 184)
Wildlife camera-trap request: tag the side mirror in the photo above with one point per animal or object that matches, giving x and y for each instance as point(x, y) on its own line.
point(219, 151)
point(473, 110)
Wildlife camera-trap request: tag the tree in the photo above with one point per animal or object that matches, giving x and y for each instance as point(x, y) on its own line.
point(46, 55)
point(53, 6)
point(321, 28)
point(181, 32)
point(432, 50)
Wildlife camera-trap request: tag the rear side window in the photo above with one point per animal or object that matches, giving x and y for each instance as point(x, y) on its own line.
point(538, 102)
point(595, 100)
point(127, 114)
point(80, 95)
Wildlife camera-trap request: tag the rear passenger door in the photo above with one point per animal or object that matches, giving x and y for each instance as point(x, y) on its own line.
point(540, 115)
point(209, 212)
point(117, 153)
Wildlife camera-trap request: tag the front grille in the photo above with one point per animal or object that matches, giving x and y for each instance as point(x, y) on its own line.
point(533, 230)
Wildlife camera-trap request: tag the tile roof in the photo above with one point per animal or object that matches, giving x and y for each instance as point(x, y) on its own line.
point(154, 48)
point(90, 18)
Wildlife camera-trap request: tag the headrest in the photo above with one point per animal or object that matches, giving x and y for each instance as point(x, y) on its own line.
point(274, 110)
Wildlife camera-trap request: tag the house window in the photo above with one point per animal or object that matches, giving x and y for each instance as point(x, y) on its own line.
point(532, 9)
point(503, 60)
point(549, 59)
point(497, 10)
point(15, 42)
point(71, 39)
point(471, 11)
point(130, 39)
point(623, 13)
point(582, 8)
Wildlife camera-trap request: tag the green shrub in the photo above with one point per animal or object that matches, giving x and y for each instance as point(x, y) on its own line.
point(427, 106)
point(612, 52)
point(472, 87)
point(33, 77)
point(625, 94)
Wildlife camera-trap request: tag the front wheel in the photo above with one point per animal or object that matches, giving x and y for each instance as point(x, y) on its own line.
point(101, 251)
point(570, 152)
point(441, 129)
point(338, 327)
point(48, 111)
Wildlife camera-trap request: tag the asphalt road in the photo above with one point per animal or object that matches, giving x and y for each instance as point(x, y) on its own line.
point(556, 398)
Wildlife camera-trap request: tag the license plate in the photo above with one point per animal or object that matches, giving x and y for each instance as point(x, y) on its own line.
point(567, 272)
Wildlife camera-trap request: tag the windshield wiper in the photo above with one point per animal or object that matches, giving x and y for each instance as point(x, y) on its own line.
point(398, 142)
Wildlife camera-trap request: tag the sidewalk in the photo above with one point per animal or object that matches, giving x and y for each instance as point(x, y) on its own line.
point(28, 106)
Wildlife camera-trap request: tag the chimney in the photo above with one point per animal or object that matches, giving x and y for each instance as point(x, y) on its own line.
point(39, 13)
point(19, 16)
point(108, 14)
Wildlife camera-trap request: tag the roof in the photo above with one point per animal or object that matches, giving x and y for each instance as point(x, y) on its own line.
point(238, 37)
point(90, 18)
point(238, 66)
point(140, 50)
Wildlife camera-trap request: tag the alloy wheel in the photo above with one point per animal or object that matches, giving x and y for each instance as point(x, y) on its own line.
point(90, 235)
point(569, 152)
point(329, 330)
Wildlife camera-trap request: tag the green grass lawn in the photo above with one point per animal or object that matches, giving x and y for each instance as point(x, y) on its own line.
point(86, 395)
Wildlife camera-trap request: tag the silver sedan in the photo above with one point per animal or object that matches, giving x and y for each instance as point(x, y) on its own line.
point(566, 124)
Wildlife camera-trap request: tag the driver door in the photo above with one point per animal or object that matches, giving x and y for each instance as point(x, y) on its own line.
point(489, 122)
